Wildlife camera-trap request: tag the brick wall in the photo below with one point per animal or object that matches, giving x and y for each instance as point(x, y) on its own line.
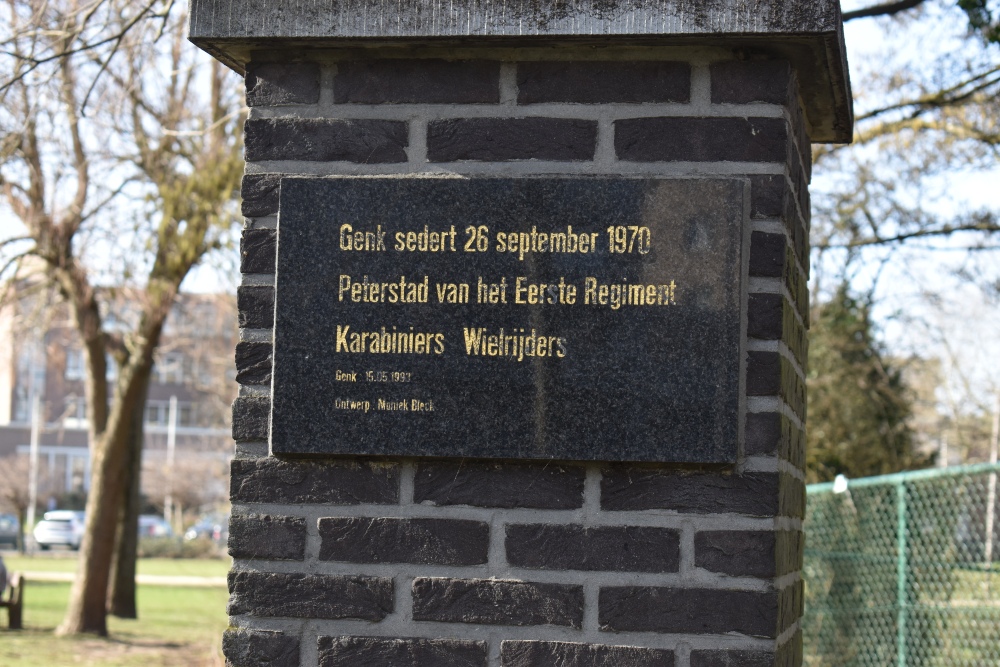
point(460, 562)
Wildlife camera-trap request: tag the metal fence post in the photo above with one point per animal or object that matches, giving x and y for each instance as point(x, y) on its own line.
point(901, 566)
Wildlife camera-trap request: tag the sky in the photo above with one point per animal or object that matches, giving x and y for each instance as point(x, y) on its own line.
point(959, 323)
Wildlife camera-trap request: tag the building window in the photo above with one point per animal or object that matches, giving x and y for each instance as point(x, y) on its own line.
point(22, 406)
point(170, 369)
point(158, 413)
point(76, 407)
point(74, 411)
point(74, 364)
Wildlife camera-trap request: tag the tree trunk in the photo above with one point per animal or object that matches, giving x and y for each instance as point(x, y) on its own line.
point(88, 600)
point(122, 594)
point(87, 608)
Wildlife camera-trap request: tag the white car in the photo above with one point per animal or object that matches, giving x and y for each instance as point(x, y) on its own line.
point(59, 527)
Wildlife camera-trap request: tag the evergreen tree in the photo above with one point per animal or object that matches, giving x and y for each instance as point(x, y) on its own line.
point(859, 405)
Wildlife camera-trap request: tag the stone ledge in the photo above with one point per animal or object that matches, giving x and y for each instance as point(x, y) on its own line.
point(808, 33)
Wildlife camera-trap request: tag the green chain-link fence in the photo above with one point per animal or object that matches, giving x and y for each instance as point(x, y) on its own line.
point(901, 570)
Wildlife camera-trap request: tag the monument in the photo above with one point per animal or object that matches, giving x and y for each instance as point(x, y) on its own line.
point(523, 316)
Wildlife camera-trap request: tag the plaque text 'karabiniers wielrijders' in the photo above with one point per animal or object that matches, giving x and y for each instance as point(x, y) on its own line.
point(573, 319)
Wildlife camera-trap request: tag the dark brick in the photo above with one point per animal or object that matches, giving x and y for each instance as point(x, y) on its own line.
point(763, 373)
point(257, 250)
point(275, 84)
point(625, 488)
point(574, 547)
point(772, 317)
point(771, 374)
point(800, 239)
point(270, 480)
point(740, 553)
point(501, 139)
point(403, 652)
point(507, 485)
point(260, 194)
point(389, 540)
point(563, 654)
point(593, 82)
point(792, 498)
point(255, 306)
point(732, 659)
point(797, 286)
point(417, 81)
point(673, 139)
point(763, 433)
point(803, 148)
point(297, 595)
point(793, 388)
point(790, 601)
point(797, 116)
point(259, 648)
point(788, 551)
point(497, 602)
point(253, 363)
point(251, 415)
point(767, 255)
point(764, 313)
point(745, 81)
point(322, 139)
point(266, 536)
point(794, 335)
point(768, 195)
point(792, 446)
point(688, 610)
point(787, 208)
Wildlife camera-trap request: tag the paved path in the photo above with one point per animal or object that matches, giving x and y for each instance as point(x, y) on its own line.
point(150, 579)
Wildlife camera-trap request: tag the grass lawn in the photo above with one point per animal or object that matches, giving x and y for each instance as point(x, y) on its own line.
point(176, 627)
point(187, 567)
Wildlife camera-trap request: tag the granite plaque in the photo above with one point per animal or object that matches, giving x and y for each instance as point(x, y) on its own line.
point(539, 318)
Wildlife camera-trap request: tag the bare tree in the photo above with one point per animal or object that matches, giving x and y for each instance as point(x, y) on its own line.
point(14, 474)
point(194, 483)
point(892, 212)
point(919, 118)
point(140, 148)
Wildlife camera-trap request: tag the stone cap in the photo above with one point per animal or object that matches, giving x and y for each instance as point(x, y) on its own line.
point(808, 33)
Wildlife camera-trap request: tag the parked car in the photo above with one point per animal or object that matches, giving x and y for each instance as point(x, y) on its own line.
point(10, 530)
point(151, 525)
point(63, 527)
point(212, 526)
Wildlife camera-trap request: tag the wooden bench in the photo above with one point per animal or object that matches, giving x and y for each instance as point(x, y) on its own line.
point(14, 602)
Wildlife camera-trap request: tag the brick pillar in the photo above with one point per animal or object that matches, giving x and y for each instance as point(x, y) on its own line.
point(458, 561)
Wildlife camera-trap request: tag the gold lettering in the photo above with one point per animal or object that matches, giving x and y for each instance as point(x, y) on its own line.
point(620, 295)
point(452, 292)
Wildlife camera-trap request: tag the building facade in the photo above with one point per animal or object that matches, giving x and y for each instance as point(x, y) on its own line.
point(42, 362)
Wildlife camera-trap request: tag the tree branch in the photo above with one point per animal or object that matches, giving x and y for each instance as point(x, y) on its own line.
point(950, 96)
point(80, 162)
point(35, 62)
point(15, 239)
point(886, 9)
point(988, 225)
